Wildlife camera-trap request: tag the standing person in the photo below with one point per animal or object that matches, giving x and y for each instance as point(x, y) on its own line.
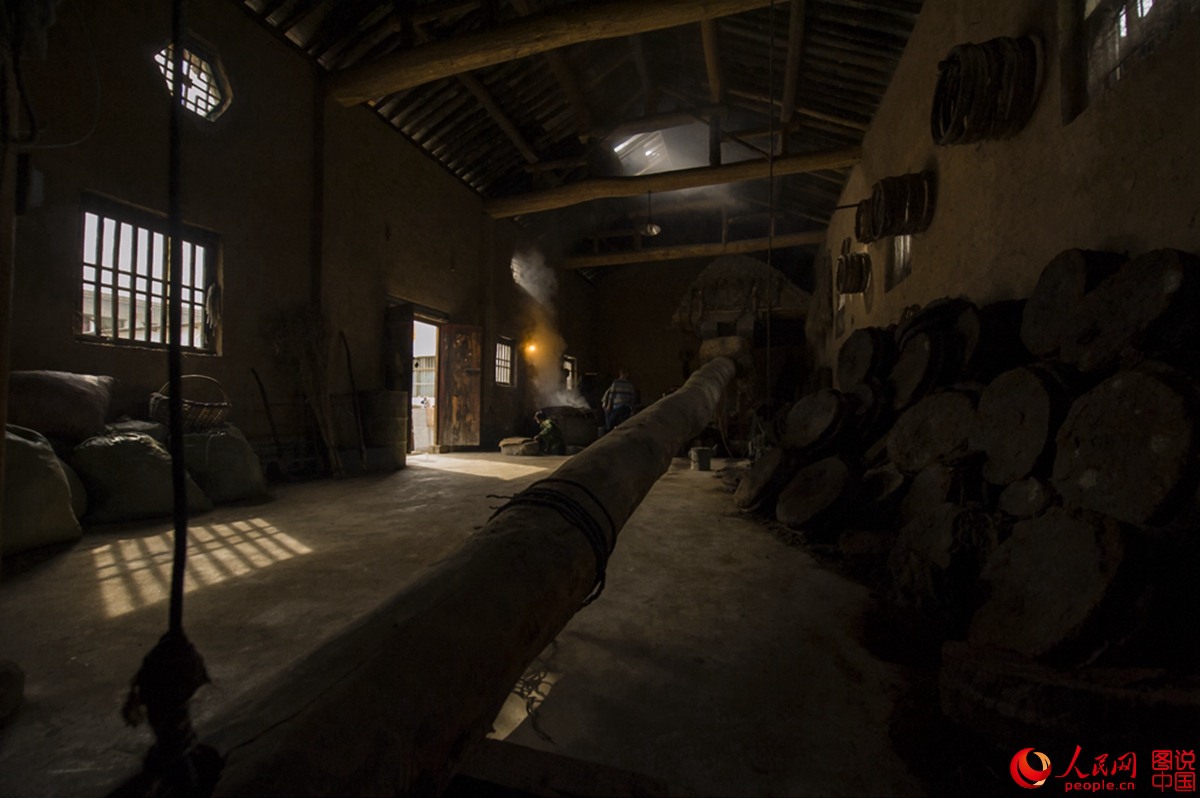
point(550, 438)
point(618, 400)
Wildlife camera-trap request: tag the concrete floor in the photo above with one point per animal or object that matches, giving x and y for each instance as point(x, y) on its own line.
point(719, 661)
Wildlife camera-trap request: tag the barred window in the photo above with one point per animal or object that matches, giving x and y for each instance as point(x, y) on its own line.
point(504, 362)
point(124, 279)
point(1121, 31)
point(206, 91)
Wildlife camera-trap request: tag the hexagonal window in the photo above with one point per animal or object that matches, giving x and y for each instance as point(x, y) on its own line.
point(206, 90)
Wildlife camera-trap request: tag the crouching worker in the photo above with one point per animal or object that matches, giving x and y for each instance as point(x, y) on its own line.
point(549, 438)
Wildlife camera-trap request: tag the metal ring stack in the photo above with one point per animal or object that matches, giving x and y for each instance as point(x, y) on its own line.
point(986, 91)
point(897, 206)
point(853, 272)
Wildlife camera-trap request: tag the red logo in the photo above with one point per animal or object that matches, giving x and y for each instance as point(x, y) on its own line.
point(1026, 776)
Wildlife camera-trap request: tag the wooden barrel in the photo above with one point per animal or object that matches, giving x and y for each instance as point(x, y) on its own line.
point(1055, 315)
point(867, 353)
point(989, 339)
point(1053, 585)
point(1148, 305)
point(810, 498)
point(767, 476)
point(939, 483)
point(816, 419)
point(873, 414)
point(1026, 498)
point(920, 366)
point(1127, 447)
point(936, 429)
point(1019, 414)
point(936, 561)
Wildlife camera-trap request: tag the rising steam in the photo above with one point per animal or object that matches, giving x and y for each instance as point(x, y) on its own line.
point(544, 345)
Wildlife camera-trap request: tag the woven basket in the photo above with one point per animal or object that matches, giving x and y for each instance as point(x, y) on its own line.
point(196, 415)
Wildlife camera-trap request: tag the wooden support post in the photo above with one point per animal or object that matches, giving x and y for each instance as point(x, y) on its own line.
point(394, 705)
point(714, 141)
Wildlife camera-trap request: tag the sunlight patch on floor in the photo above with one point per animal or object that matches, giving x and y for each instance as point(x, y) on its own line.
point(136, 572)
point(475, 468)
point(523, 702)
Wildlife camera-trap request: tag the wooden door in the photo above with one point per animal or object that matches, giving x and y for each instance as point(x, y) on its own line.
point(460, 372)
point(398, 357)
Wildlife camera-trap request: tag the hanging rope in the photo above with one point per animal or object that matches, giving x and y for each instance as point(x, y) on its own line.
point(986, 91)
point(173, 670)
point(602, 540)
point(897, 206)
point(769, 282)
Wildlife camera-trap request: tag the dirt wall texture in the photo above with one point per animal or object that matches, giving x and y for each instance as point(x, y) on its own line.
point(1122, 175)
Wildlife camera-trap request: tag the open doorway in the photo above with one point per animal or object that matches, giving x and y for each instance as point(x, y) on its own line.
point(424, 386)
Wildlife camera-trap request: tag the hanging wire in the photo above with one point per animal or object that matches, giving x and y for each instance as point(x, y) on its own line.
point(770, 184)
point(173, 670)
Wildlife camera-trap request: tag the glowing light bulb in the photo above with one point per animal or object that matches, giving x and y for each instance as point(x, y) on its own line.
point(531, 348)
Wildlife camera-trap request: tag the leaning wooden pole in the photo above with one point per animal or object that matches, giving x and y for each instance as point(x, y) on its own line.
point(391, 706)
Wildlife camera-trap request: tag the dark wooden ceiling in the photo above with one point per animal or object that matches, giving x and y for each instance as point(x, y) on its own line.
point(542, 136)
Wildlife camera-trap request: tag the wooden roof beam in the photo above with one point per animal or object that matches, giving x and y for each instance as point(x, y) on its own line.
point(791, 75)
point(664, 121)
point(554, 166)
point(657, 254)
point(539, 33)
point(633, 186)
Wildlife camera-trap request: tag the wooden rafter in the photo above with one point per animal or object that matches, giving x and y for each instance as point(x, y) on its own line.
point(656, 254)
point(480, 92)
point(565, 77)
point(535, 34)
point(602, 188)
point(791, 75)
point(712, 60)
point(649, 124)
point(649, 88)
point(811, 113)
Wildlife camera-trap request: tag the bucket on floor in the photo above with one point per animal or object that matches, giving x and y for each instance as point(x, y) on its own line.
point(701, 457)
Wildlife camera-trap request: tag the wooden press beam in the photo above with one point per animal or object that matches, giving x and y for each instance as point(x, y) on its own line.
point(791, 75)
point(656, 254)
point(540, 33)
point(393, 705)
point(633, 186)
